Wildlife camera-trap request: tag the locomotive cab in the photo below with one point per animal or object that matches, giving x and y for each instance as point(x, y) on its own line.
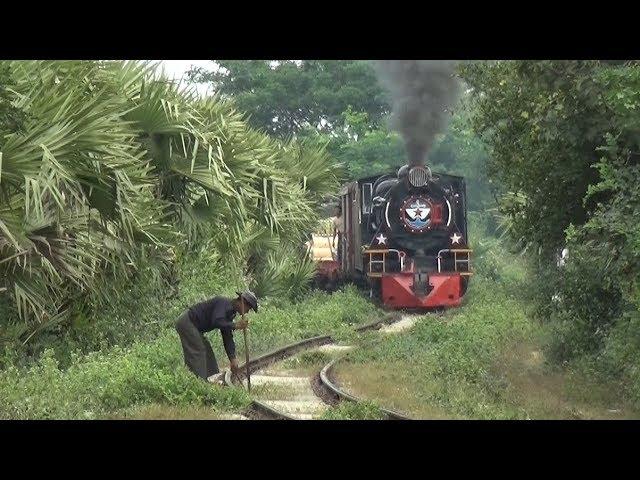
point(405, 234)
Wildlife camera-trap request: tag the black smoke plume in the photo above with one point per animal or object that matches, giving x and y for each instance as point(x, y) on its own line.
point(423, 93)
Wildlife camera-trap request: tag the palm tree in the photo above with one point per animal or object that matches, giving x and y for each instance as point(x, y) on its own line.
point(114, 164)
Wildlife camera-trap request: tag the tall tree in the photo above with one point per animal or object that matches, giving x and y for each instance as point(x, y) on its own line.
point(284, 97)
point(341, 104)
point(542, 122)
point(459, 151)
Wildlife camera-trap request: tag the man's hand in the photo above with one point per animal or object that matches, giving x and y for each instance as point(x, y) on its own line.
point(242, 324)
point(235, 370)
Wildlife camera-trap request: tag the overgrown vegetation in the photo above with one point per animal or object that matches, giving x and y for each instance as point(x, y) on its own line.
point(104, 382)
point(562, 140)
point(125, 198)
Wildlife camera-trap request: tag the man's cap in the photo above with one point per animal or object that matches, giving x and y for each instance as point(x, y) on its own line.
point(249, 297)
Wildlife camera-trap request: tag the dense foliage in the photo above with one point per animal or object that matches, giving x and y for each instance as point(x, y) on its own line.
point(125, 198)
point(107, 168)
point(563, 142)
point(484, 360)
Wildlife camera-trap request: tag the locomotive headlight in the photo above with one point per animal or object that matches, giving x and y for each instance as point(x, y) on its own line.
point(419, 176)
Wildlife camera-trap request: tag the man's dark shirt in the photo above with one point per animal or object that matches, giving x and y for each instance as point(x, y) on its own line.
point(216, 313)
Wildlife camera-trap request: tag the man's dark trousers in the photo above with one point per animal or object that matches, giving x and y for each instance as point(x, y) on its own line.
point(198, 354)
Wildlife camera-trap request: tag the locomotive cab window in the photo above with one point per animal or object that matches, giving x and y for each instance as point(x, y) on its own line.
point(367, 195)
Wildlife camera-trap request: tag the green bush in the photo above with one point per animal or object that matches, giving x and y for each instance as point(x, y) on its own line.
point(580, 303)
point(113, 170)
point(611, 354)
point(138, 310)
point(545, 122)
point(102, 382)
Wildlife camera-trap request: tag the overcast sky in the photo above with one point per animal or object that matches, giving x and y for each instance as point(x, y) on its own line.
point(177, 69)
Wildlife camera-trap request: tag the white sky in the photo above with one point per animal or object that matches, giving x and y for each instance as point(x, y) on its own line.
point(177, 70)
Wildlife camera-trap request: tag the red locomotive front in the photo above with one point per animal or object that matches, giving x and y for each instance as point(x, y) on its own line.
point(406, 236)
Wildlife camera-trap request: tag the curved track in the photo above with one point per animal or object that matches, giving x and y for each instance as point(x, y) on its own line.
point(322, 384)
point(325, 379)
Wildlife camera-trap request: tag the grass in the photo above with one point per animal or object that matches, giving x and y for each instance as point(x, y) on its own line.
point(307, 363)
point(107, 381)
point(320, 313)
point(138, 311)
point(485, 360)
point(379, 382)
point(159, 411)
point(365, 410)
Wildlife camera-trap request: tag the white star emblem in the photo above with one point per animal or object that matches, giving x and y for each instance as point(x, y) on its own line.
point(418, 210)
point(455, 238)
point(381, 239)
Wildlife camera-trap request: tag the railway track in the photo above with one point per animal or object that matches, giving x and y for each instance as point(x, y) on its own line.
point(312, 394)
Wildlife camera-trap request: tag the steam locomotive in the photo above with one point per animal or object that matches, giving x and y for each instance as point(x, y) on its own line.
point(405, 236)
